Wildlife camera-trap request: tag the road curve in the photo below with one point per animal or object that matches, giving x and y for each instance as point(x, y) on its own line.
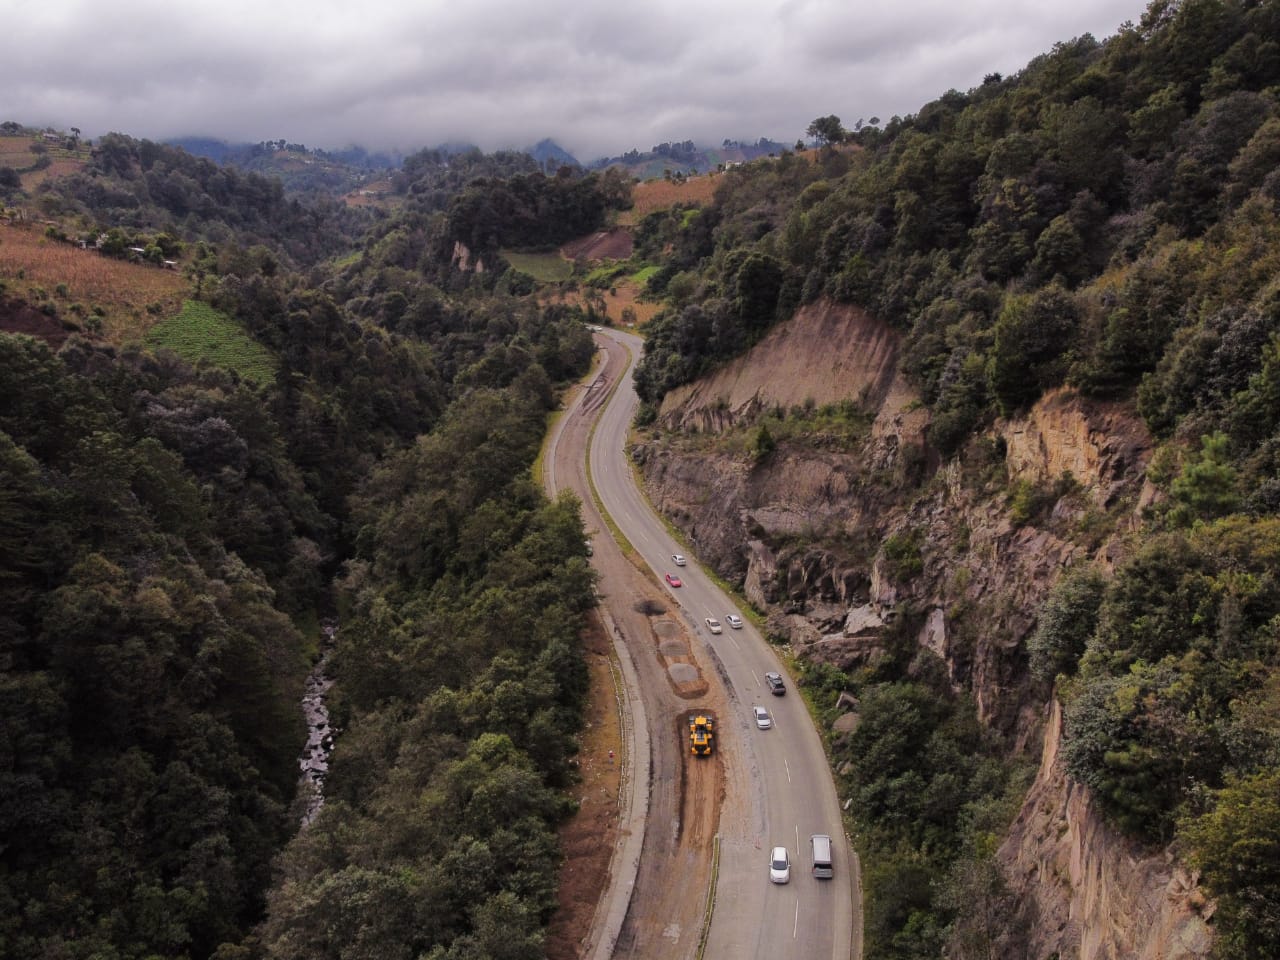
point(779, 788)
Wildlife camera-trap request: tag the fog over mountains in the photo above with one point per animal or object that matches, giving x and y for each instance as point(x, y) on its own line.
point(599, 81)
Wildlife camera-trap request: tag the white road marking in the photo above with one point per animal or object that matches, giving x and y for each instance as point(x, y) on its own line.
point(788, 766)
point(795, 927)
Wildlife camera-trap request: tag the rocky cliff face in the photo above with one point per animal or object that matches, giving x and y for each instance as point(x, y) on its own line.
point(1089, 893)
point(803, 528)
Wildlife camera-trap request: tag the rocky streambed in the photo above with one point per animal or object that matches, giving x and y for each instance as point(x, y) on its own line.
point(314, 761)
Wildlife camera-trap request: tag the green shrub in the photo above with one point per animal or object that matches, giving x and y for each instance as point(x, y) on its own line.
point(763, 444)
point(1207, 486)
point(1066, 622)
point(1030, 501)
point(1236, 846)
point(903, 559)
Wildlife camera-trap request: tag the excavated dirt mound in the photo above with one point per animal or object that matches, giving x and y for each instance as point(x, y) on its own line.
point(682, 669)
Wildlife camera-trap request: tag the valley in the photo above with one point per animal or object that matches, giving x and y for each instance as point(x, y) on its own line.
point(951, 442)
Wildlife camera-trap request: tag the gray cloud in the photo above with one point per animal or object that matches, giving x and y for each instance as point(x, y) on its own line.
point(600, 79)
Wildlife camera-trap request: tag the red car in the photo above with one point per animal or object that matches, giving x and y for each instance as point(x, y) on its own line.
point(673, 580)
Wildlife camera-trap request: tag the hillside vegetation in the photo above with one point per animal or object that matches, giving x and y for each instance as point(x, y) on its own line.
point(183, 485)
point(1105, 220)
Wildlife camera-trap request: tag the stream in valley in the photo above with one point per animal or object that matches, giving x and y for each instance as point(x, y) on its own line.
point(314, 762)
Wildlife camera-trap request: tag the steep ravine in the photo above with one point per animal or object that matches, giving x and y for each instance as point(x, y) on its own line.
point(799, 530)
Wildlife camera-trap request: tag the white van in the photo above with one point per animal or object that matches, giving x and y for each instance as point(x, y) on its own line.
point(820, 844)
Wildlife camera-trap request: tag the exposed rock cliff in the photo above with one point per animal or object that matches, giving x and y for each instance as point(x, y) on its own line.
point(1089, 893)
point(802, 529)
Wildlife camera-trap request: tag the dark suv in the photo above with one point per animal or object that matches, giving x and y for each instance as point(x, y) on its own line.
point(776, 686)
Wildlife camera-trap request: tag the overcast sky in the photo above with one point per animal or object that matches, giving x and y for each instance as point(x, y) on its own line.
point(597, 77)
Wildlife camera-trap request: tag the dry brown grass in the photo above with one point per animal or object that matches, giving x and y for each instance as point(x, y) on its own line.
point(619, 298)
point(654, 195)
point(377, 193)
point(32, 264)
point(588, 837)
point(60, 167)
point(16, 152)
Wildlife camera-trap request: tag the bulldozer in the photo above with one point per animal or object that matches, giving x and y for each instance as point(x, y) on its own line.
point(701, 733)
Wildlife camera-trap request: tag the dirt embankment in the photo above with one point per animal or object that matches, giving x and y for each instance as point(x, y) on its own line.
point(587, 839)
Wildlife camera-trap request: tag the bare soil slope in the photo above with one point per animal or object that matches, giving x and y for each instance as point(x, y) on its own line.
point(603, 245)
point(826, 353)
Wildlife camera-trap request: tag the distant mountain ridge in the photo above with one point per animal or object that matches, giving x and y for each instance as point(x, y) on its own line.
point(288, 160)
point(547, 150)
point(687, 157)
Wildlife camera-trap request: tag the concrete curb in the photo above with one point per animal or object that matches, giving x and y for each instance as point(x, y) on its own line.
point(633, 800)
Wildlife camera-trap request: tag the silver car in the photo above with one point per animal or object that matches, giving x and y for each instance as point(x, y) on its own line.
point(779, 865)
point(734, 621)
point(763, 720)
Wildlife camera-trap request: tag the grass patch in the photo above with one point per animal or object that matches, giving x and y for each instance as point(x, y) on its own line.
point(842, 425)
point(605, 276)
point(543, 267)
point(641, 276)
point(200, 332)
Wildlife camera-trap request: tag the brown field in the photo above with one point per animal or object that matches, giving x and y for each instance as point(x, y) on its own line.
point(59, 168)
point(124, 291)
point(378, 193)
point(604, 245)
point(614, 301)
point(654, 195)
point(16, 152)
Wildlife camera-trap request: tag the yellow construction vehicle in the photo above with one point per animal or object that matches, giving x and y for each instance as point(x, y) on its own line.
point(701, 733)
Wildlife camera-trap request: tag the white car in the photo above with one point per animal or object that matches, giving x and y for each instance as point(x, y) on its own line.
point(713, 625)
point(678, 559)
point(779, 865)
point(734, 621)
point(763, 720)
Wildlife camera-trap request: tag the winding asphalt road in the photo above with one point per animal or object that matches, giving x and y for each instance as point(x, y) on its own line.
point(779, 788)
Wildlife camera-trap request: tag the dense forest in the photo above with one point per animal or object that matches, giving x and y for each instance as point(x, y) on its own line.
point(1105, 219)
point(172, 536)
